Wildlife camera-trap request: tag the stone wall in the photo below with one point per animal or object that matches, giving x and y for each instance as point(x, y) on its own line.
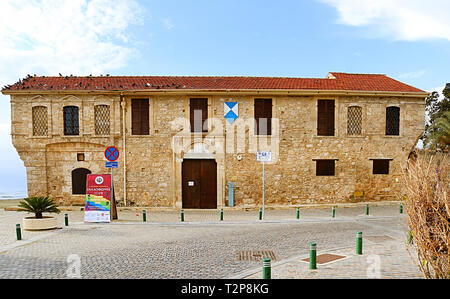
point(153, 168)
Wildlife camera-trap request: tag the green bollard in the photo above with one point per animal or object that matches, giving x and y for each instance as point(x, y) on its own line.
point(221, 214)
point(333, 212)
point(18, 232)
point(144, 215)
point(266, 268)
point(312, 256)
point(260, 214)
point(409, 237)
point(182, 216)
point(66, 219)
point(298, 213)
point(401, 209)
point(358, 242)
point(367, 209)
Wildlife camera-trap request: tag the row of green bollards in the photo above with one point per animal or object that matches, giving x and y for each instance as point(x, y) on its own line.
point(333, 213)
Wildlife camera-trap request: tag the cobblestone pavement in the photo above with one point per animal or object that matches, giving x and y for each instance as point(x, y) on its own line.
point(204, 247)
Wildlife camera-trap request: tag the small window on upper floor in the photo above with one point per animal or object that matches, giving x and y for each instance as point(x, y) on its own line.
point(380, 166)
point(140, 122)
point(71, 120)
point(40, 121)
point(354, 120)
point(263, 116)
point(102, 115)
point(325, 117)
point(198, 108)
point(392, 120)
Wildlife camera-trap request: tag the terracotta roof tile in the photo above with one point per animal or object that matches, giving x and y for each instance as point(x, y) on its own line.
point(337, 81)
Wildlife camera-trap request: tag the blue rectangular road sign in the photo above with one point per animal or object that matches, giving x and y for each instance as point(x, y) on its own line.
point(109, 164)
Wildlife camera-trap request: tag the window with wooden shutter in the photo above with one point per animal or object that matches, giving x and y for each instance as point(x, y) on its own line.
point(325, 167)
point(102, 115)
point(71, 120)
point(380, 166)
point(325, 117)
point(199, 114)
point(354, 120)
point(140, 117)
point(263, 116)
point(40, 121)
point(79, 177)
point(392, 120)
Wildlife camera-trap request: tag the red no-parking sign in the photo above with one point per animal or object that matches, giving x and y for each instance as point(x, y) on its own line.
point(111, 153)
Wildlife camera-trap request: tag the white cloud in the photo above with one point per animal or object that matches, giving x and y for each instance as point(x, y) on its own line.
point(412, 75)
point(399, 19)
point(67, 36)
point(48, 37)
point(168, 24)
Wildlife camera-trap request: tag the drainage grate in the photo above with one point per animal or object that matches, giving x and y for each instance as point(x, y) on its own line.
point(325, 258)
point(379, 239)
point(255, 255)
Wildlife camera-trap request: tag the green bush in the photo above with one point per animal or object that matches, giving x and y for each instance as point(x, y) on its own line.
point(38, 205)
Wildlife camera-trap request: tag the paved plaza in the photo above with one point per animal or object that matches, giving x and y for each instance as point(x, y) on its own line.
point(204, 247)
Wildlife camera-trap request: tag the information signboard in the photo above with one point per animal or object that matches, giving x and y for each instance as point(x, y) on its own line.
point(98, 198)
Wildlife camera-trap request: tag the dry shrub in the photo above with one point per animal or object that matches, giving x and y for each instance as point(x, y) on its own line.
point(427, 183)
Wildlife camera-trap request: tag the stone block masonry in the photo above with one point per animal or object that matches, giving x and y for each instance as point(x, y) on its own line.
point(153, 172)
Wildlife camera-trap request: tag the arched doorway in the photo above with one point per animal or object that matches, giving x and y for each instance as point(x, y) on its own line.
point(79, 176)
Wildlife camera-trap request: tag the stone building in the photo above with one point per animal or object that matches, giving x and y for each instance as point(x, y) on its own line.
point(182, 140)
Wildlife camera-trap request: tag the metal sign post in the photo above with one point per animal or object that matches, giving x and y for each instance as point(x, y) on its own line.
point(112, 154)
point(264, 178)
point(263, 157)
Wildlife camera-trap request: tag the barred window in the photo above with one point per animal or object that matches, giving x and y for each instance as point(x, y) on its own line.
point(40, 121)
point(71, 120)
point(101, 114)
point(392, 120)
point(354, 120)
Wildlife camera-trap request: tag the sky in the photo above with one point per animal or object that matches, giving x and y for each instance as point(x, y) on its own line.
point(408, 40)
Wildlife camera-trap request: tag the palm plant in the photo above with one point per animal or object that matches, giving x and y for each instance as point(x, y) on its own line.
point(38, 205)
point(442, 134)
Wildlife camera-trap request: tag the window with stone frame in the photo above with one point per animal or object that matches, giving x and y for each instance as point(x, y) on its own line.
point(393, 121)
point(40, 121)
point(354, 120)
point(71, 120)
point(325, 167)
point(102, 119)
point(380, 166)
point(263, 116)
point(198, 111)
point(140, 121)
point(325, 117)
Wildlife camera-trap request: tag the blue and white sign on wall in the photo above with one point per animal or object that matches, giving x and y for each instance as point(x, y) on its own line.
point(230, 111)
